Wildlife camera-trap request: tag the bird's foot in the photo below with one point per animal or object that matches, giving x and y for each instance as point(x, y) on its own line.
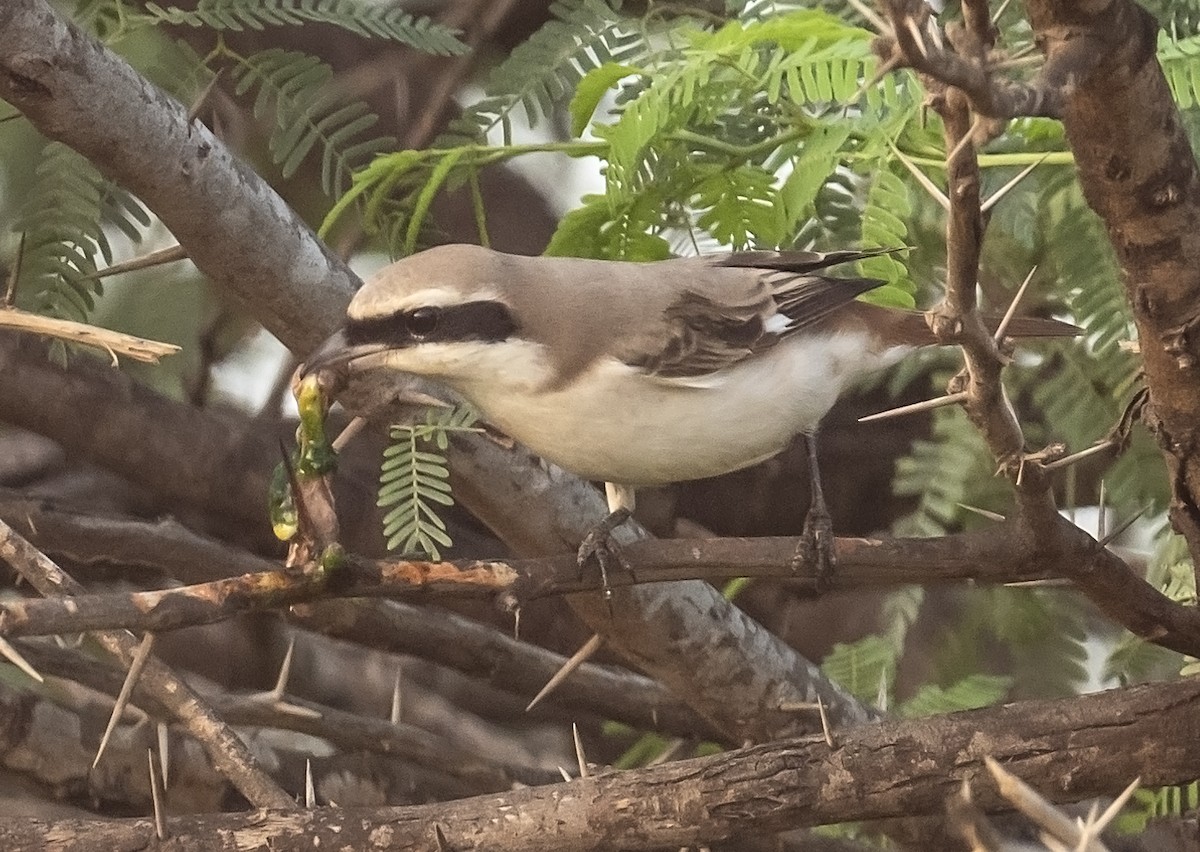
point(816, 549)
point(599, 543)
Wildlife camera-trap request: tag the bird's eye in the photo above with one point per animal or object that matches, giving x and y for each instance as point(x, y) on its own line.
point(422, 321)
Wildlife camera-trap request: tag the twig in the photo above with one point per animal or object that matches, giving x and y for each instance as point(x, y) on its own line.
point(113, 342)
point(227, 752)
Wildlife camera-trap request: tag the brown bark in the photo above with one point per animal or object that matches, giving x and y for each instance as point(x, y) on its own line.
point(1138, 172)
point(1067, 749)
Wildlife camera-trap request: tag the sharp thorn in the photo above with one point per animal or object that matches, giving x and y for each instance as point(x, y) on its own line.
point(985, 513)
point(880, 72)
point(1095, 449)
point(439, 839)
point(580, 757)
point(14, 274)
point(140, 655)
point(198, 105)
point(881, 695)
point(1124, 525)
point(915, 31)
point(926, 183)
point(1049, 583)
point(164, 752)
point(289, 709)
point(1000, 11)
point(285, 670)
point(1012, 307)
point(170, 254)
point(917, 407)
point(577, 659)
point(156, 797)
point(967, 139)
point(1114, 808)
point(824, 722)
point(994, 199)
point(394, 715)
point(352, 428)
point(566, 776)
point(310, 789)
point(14, 656)
point(872, 17)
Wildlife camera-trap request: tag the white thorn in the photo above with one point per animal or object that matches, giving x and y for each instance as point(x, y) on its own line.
point(577, 659)
point(916, 407)
point(394, 716)
point(994, 199)
point(579, 755)
point(310, 790)
point(160, 820)
point(164, 752)
point(1012, 307)
point(926, 183)
point(285, 670)
point(14, 656)
point(140, 655)
point(824, 722)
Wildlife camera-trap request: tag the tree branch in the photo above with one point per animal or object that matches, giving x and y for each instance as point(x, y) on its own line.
point(1069, 749)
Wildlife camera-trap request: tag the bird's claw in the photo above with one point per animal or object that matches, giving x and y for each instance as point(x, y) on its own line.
point(599, 543)
point(816, 549)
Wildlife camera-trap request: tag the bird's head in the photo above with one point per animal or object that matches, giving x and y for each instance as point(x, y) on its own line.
point(433, 314)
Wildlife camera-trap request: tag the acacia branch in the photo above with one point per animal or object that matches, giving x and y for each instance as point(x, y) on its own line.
point(956, 320)
point(436, 635)
point(1069, 749)
point(1000, 553)
point(228, 753)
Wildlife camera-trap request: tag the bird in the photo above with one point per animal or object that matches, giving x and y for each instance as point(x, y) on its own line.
point(636, 374)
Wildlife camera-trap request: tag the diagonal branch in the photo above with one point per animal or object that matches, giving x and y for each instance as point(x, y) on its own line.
point(227, 752)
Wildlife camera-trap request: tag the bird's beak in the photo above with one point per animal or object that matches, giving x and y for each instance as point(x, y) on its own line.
point(337, 355)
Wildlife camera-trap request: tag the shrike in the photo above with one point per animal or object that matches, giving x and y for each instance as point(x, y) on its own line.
point(636, 374)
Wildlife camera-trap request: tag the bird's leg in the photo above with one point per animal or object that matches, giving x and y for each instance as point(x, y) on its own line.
point(599, 543)
point(816, 542)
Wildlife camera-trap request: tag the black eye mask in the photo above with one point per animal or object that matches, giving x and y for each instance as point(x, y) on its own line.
point(484, 321)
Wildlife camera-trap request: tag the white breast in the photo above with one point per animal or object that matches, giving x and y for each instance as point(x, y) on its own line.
point(617, 424)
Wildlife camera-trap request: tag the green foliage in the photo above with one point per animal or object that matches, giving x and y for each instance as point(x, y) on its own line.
point(1163, 802)
point(973, 691)
point(414, 478)
point(581, 37)
point(63, 222)
point(308, 114)
point(864, 668)
point(725, 135)
point(370, 20)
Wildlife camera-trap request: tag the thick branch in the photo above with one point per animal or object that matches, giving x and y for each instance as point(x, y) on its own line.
point(1068, 749)
point(72, 89)
point(1139, 173)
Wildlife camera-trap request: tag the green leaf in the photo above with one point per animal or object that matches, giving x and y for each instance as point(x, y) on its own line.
point(977, 690)
point(812, 167)
point(591, 89)
point(861, 666)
